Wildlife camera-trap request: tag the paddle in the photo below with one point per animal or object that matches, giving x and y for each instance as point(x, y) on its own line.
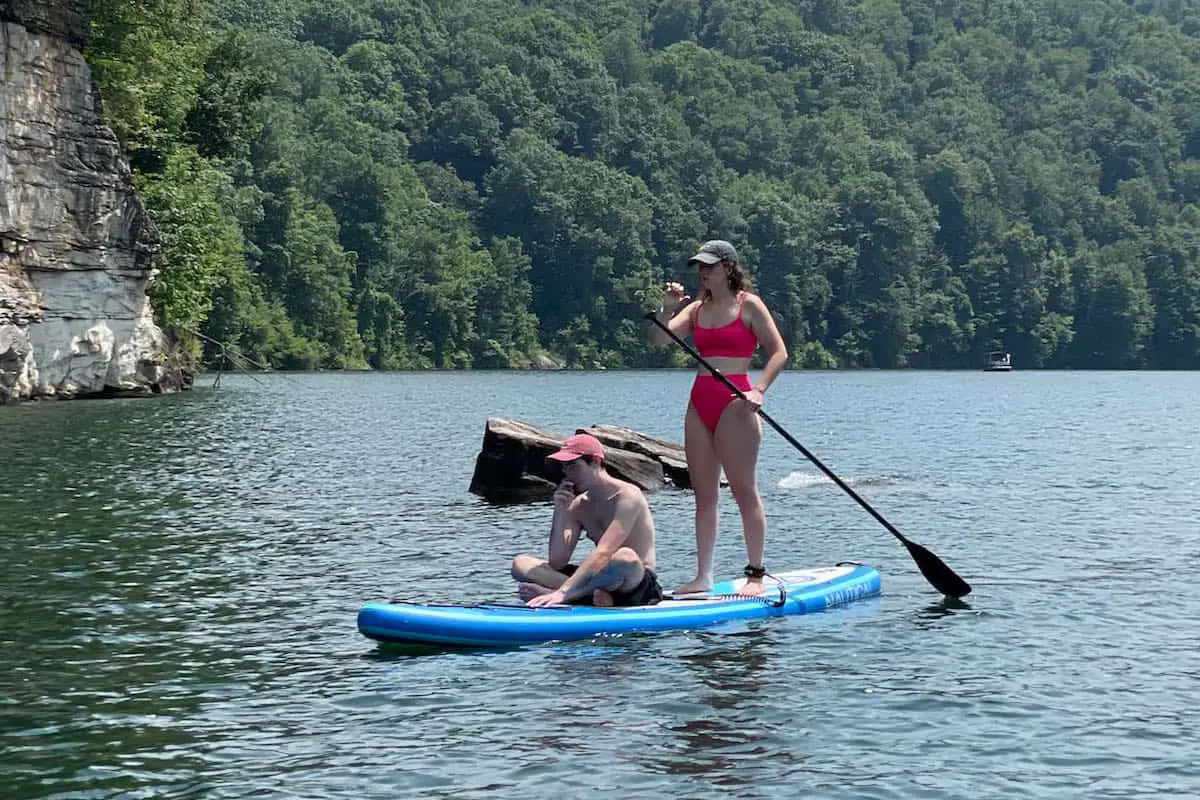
point(940, 576)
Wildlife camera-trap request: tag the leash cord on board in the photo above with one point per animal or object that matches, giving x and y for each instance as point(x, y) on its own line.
point(782, 590)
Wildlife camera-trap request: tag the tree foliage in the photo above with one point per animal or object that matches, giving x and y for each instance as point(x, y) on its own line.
point(472, 183)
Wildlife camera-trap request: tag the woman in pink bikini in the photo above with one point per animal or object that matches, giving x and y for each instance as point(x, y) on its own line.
point(720, 430)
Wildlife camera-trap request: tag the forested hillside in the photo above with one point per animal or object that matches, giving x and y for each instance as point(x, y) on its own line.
point(469, 183)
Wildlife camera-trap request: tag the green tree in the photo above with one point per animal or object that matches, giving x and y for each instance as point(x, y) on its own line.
point(201, 244)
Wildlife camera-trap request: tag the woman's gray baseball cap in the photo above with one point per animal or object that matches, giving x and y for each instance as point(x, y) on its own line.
point(714, 251)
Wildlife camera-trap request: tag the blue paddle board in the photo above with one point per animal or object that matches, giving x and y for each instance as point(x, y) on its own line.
point(501, 625)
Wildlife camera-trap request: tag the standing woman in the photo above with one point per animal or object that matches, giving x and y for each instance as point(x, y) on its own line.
point(722, 431)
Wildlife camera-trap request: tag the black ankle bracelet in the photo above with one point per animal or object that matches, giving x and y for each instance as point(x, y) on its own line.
point(752, 571)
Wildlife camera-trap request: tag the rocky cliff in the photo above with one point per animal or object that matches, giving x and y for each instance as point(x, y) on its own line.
point(76, 245)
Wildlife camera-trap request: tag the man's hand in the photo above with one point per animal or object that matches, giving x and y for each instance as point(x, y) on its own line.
point(551, 599)
point(564, 494)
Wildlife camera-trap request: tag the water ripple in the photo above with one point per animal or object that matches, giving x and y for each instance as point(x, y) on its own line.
point(182, 574)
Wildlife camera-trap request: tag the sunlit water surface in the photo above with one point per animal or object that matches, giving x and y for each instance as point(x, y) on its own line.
point(181, 576)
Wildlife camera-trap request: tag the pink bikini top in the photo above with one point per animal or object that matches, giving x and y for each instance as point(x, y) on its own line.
point(734, 340)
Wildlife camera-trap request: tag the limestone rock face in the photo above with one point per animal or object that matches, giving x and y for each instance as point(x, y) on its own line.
point(76, 245)
point(60, 19)
point(18, 374)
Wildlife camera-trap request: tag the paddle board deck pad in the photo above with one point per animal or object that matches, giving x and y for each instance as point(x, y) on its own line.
point(503, 625)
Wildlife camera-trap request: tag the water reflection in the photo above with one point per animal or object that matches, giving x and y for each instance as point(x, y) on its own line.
point(935, 616)
point(734, 665)
point(177, 607)
point(118, 599)
point(736, 673)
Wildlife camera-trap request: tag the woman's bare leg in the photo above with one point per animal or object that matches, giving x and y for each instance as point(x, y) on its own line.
point(737, 440)
point(705, 472)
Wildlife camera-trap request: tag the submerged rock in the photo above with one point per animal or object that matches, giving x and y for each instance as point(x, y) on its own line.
point(512, 468)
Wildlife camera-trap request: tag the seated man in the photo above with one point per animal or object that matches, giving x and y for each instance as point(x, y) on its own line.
point(614, 515)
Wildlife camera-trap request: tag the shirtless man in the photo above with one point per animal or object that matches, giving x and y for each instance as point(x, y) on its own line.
point(614, 515)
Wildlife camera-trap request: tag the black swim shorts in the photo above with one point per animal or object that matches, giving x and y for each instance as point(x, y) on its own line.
point(647, 593)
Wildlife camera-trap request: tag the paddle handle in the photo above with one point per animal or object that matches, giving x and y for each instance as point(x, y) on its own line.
point(779, 429)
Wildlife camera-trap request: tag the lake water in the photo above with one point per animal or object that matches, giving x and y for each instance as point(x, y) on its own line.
point(180, 578)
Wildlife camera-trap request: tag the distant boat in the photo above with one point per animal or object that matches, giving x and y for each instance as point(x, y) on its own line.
point(998, 361)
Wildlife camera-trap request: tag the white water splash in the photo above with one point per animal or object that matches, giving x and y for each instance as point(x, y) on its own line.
point(807, 480)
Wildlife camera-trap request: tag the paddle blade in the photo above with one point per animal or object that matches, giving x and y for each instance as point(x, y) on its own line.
point(940, 576)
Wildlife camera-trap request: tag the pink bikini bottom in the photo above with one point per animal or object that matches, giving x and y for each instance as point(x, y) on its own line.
point(710, 397)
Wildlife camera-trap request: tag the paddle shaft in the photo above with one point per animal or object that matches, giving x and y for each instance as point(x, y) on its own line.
point(779, 429)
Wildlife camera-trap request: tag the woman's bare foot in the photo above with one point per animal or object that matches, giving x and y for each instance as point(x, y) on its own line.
point(528, 591)
point(602, 599)
point(752, 588)
point(698, 586)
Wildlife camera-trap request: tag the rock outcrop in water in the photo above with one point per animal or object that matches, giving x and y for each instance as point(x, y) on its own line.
point(76, 245)
point(512, 467)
